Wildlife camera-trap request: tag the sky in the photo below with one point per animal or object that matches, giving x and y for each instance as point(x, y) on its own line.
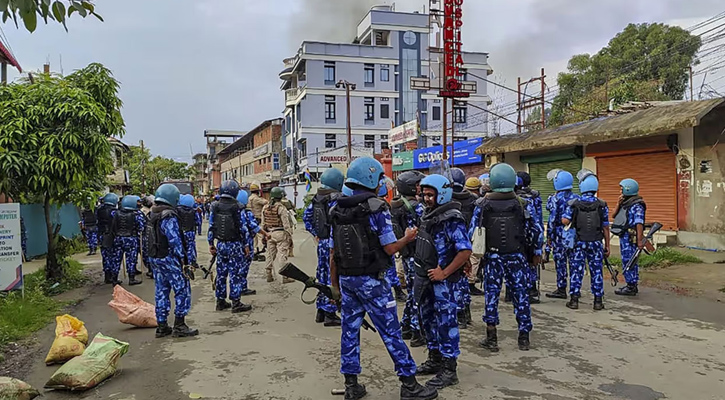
point(190, 65)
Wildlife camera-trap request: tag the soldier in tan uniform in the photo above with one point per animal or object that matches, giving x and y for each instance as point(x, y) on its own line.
point(276, 222)
point(256, 203)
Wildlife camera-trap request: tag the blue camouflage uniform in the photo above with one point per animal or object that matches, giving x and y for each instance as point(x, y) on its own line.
point(368, 294)
point(109, 254)
point(253, 228)
point(323, 257)
point(145, 249)
point(591, 252)
point(91, 233)
point(230, 256)
point(410, 311)
point(439, 304)
point(628, 243)
point(514, 269)
point(128, 246)
point(197, 217)
point(168, 274)
point(538, 217)
point(557, 205)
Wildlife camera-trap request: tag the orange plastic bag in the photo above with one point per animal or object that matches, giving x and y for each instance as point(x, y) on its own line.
point(71, 336)
point(131, 309)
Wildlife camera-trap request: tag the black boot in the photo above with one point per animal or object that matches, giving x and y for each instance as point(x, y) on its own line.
point(331, 319)
point(150, 274)
point(573, 303)
point(469, 320)
point(475, 291)
point(598, 304)
point(107, 277)
point(559, 293)
point(524, 343)
point(412, 390)
point(114, 280)
point(432, 365)
point(183, 330)
point(534, 295)
point(447, 376)
point(353, 390)
point(163, 329)
point(90, 253)
point(491, 341)
point(132, 280)
point(629, 290)
point(400, 294)
point(137, 272)
point(407, 332)
point(417, 340)
point(248, 292)
point(462, 324)
point(255, 257)
point(261, 258)
point(238, 306)
point(320, 316)
point(508, 298)
point(222, 305)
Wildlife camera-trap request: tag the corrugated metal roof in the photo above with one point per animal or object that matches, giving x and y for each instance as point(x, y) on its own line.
point(6, 56)
point(659, 119)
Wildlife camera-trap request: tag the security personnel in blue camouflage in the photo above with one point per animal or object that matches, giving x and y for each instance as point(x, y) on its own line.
point(628, 224)
point(532, 196)
point(590, 217)
point(128, 224)
point(317, 223)
point(253, 228)
point(441, 250)
point(391, 274)
point(227, 227)
point(406, 212)
point(363, 241)
point(513, 242)
point(187, 219)
point(555, 232)
point(146, 204)
point(89, 226)
point(467, 200)
point(166, 255)
point(109, 252)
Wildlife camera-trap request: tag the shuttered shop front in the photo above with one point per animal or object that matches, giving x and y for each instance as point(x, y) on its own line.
point(656, 174)
point(539, 170)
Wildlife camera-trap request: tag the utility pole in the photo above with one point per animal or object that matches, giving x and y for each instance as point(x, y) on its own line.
point(143, 169)
point(543, 105)
point(348, 87)
point(692, 92)
point(445, 127)
point(531, 102)
point(518, 92)
point(453, 130)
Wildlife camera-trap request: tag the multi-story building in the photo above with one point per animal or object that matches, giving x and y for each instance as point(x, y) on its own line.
point(216, 141)
point(389, 48)
point(201, 176)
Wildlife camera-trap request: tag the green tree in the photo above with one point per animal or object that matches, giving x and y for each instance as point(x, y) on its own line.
point(156, 169)
point(29, 11)
point(533, 120)
point(54, 141)
point(643, 62)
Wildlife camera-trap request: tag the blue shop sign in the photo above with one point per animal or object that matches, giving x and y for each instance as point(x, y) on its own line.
point(465, 153)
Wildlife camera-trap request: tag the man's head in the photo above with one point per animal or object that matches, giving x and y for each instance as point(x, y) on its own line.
point(437, 190)
point(364, 173)
point(502, 178)
point(630, 187)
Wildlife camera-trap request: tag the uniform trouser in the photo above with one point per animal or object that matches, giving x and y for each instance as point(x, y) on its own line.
point(410, 311)
point(258, 239)
point(128, 246)
point(438, 316)
point(533, 276)
point(463, 293)
point(190, 247)
point(246, 263)
point(145, 253)
point(198, 229)
point(92, 238)
point(168, 275)
point(593, 254)
point(562, 257)
point(323, 274)
point(475, 265)
point(400, 270)
point(513, 268)
point(277, 251)
point(367, 294)
point(111, 257)
point(230, 257)
point(392, 275)
point(627, 249)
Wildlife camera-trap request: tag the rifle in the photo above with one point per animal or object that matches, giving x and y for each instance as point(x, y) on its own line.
point(291, 271)
point(207, 271)
point(645, 242)
point(613, 272)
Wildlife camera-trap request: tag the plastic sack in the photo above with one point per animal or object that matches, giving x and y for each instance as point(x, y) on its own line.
point(70, 341)
point(131, 309)
point(98, 363)
point(15, 389)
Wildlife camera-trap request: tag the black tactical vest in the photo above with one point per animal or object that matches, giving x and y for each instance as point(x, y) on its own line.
point(105, 219)
point(357, 248)
point(158, 243)
point(187, 218)
point(587, 219)
point(89, 219)
point(124, 224)
point(426, 254)
point(226, 220)
point(467, 200)
point(527, 193)
point(321, 212)
point(620, 224)
point(504, 221)
point(401, 214)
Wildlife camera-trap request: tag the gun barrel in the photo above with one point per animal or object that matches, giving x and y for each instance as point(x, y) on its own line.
point(291, 271)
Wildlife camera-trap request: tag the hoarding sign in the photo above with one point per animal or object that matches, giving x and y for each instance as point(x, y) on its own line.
point(11, 252)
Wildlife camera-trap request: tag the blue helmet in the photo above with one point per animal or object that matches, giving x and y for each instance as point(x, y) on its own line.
point(563, 180)
point(130, 203)
point(186, 200)
point(589, 184)
point(442, 186)
point(382, 188)
point(346, 191)
point(485, 179)
point(167, 194)
point(502, 178)
point(229, 189)
point(519, 181)
point(366, 172)
point(216, 197)
point(243, 197)
point(332, 179)
point(111, 199)
point(630, 187)
point(459, 179)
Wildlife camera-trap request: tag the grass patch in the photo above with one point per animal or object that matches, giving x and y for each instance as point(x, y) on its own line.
point(662, 258)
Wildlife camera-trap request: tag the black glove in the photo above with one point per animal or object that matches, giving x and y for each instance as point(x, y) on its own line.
point(189, 272)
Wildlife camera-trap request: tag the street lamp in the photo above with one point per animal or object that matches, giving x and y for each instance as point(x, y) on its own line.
point(348, 87)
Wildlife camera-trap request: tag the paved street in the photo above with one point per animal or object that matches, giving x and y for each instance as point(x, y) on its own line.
point(659, 345)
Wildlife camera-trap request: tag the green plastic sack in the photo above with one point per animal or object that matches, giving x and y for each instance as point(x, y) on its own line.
point(96, 364)
point(15, 389)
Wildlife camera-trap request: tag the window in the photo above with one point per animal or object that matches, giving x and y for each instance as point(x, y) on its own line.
point(275, 161)
point(330, 109)
point(462, 75)
point(460, 115)
point(384, 145)
point(330, 141)
point(436, 113)
point(369, 141)
point(329, 72)
point(384, 73)
point(385, 111)
point(396, 77)
point(369, 74)
point(369, 110)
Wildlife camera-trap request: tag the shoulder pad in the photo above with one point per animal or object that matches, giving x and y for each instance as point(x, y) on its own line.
point(335, 195)
point(602, 203)
point(535, 193)
point(168, 213)
point(571, 202)
point(480, 201)
point(377, 204)
point(452, 214)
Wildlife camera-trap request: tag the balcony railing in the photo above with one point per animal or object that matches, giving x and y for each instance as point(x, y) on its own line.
point(291, 95)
